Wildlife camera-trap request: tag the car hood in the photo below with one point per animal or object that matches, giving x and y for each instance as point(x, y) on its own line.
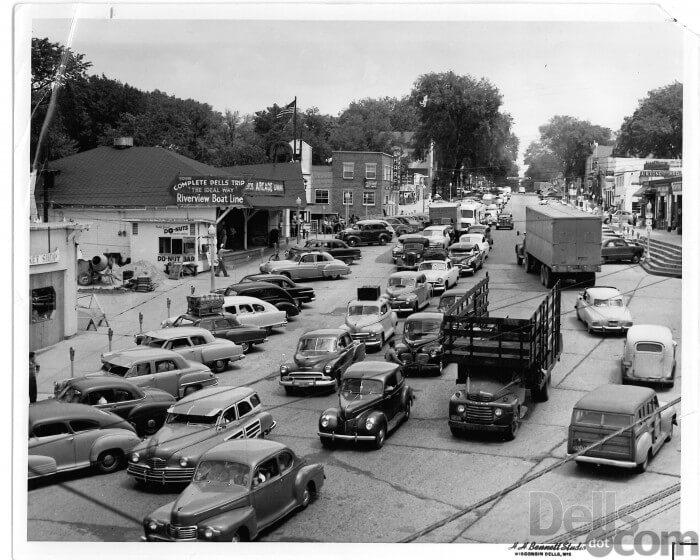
point(459, 257)
point(170, 440)
point(157, 395)
point(314, 360)
point(435, 274)
point(415, 344)
point(395, 291)
point(610, 313)
point(358, 322)
point(201, 500)
point(354, 405)
point(488, 388)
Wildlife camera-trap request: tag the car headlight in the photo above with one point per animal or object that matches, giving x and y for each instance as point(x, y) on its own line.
point(461, 408)
point(440, 281)
point(369, 424)
point(324, 421)
point(208, 533)
point(498, 412)
point(153, 525)
point(135, 457)
point(184, 461)
point(284, 370)
point(328, 368)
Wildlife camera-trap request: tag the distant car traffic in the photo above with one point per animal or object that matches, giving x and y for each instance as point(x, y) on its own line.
point(479, 239)
point(505, 221)
point(483, 229)
point(602, 309)
point(266, 291)
point(619, 249)
point(439, 236)
point(305, 266)
point(367, 232)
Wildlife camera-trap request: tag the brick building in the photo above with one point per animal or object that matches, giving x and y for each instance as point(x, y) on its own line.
point(364, 182)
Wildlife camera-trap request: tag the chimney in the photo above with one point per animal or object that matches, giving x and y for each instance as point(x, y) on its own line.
point(123, 142)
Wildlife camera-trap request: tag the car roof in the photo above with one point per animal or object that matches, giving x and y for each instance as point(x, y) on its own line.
point(246, 451)
point(435, 227)
point(52, 410)
point(232, 300)
point(177, 333)
point(260, 277)
point(210, 400)
point(121, 357)
point(323, 332)
point(650, 333)
point(100, 381)
point(604, 292)
point(463, 245)
point(370, 370)
point(454, 292)
point(624, 399)
point(380, 300)
point(423, 315)
point(405, 274)
point(253, 285)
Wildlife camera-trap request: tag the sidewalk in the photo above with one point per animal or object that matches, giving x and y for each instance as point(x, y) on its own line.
point(671, 237)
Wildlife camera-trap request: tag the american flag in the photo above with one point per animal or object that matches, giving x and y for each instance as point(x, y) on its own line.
point(287, 109)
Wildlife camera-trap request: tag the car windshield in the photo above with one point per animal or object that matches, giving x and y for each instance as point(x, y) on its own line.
point(417, 329)
point(447, 301)
point(608, 419)
point(355, 310)
point(361, 387)
point(153, 342)
point(462, 250)
point(612, 302)
point(297, 257)
point(191, 419)
point(434, 233)
point(400, 282)
point(222, 472)
point(115, 369)
point(313, 344)
point(433, 266)
point(69, 394)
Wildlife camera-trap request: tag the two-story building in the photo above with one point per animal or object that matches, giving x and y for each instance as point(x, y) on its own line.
point(363, 185)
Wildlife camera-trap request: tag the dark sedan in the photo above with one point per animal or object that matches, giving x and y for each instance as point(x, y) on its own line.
point(335, 247)
point(302, 294)
point(618, 249)
point(225, 325)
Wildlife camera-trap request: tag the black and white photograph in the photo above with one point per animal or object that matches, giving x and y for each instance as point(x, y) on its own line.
point(355, 273)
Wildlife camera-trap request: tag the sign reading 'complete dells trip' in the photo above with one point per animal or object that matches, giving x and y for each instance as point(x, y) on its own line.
point(221, 191)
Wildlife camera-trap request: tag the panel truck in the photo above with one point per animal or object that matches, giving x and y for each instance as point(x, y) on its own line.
point(445, 214)
point(562, 243)
point(498, 361)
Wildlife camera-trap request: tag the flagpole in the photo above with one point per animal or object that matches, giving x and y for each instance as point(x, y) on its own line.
point(294, 157)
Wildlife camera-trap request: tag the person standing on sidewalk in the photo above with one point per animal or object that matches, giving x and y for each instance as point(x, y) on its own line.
point(33, 370)
point(221, 266)
point(275, 242)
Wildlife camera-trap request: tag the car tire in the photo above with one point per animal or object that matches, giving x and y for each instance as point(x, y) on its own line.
point(348, 261)
point(109, 461)
point(237, 537)
point(382, 342)
point(352, 242)
point(327, 443)
point(669, 437)
point(589, 328)
point(383, 240)
point(219, 365)
point(407, 411)
point(308, 495)
point(379, 439)
point(514, 427)
point(287, 274)
point(635, 259)
point(151, 426)
point(528, 263)
point(268, 331)
point(245, 346)
point(289, 390)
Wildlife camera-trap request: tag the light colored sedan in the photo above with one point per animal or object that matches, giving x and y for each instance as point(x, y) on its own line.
point(477, 239)
point(602, 309)
point(371, 321)
point(440, 274)
point(439, 236)
point(315, 264)
point(253, 311)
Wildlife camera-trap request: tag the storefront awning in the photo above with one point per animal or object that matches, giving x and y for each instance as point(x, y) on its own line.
point(645, 190)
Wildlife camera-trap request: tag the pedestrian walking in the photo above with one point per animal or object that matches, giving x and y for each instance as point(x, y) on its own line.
point(274, 241)
point(221, 265)
point(33, 370)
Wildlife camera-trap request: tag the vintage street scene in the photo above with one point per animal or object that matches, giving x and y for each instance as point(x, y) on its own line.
point(355, 282)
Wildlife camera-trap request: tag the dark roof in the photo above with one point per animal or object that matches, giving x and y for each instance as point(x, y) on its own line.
point(246, 451)
point(100, 381)
point(370, 369)
point(290, 173)
point(623, 399)
point(323, 332)
point(53, 410)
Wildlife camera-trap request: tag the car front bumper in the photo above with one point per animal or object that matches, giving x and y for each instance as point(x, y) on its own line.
point(475, 426)
point(307, 379)
point(370, 339)
point(609, 328)
point(345, 437)
point(402, 305)
point(437, 287)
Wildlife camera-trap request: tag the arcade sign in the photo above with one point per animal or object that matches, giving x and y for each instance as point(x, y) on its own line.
point(221, 191)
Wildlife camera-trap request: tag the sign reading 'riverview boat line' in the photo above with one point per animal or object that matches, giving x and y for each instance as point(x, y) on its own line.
point(221, 191)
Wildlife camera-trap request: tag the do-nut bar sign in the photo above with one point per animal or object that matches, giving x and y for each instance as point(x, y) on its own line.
point(221, 191)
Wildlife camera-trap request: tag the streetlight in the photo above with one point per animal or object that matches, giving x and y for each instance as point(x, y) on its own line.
point(346, 200)
point(298, 218)
point(649, 223)
point(211, 231)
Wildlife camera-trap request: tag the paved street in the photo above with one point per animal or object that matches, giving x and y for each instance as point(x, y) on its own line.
point(423, 474)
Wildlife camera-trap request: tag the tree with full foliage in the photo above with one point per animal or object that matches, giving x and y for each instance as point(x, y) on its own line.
point(542, 164)
point(656, 126)
point(461, 117)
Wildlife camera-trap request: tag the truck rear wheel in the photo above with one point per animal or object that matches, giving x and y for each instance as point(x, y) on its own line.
point(542, 393)
point(528, 262)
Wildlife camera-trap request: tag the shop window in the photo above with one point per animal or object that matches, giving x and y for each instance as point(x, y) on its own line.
point(348, 170)
point(193, 229)
point(134, 228)
point(321, 196)
point(370, 170)
point(164, 245)
point(177, 246)
point(368, 198)
point(43, 304)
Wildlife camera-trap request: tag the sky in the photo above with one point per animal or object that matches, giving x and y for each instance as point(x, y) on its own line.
point(595, 71)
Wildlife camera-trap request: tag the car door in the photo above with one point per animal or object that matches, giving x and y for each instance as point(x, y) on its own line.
point(182, 346)
point(84, 434)
point(125, 399)
point(246, 315)
point(53, 439)
point(167, 376)
point(388, 320)
point(286, 463)
point(198, 343)
point(609, 250)
point(391, 391)
point(421, 289)
point(268, 497)
point(345, 351)
point(306, 267)
point(142, 374)
point(658, 432)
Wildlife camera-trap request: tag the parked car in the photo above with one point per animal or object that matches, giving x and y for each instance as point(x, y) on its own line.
point(441, 275)
point(304, 266)
point(254, 311)
point(408, 291)
point(238, 489)
point(618, 249)
point(479, 239)
point(619, 217)
point(420, 350)
point(415, 224)
point(302, 294)
point(334, 247)
point(266, 291)
point(374, 399)
point(602, 309)
point(450, 297)
point(195, 344)
point(413, 249)
point(320, 359)
point(366, 232)
point(194, 425)
point(144, 409)
point(67, 436)
point(153, 367)
point(467, 257)
point(649, 355)
point(371, 322)
point(224, 325)
point(609, 408)
point(439, 236)
point(484, 229)
point(505, 221)
point(402, 227)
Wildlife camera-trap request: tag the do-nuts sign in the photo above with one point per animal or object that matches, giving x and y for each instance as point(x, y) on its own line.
point(221, 191)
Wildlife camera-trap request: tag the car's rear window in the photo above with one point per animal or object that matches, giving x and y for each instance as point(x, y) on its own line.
point(607, 419)
point(649, 347)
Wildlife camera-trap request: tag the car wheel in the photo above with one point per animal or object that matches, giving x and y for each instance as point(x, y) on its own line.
point(669, 437)
point(382, 341)
point(245, 346)
point(352, 242)
point(109, 461)
point(514, 427)
point(289, 390)
point(383, 240)
point(268, 331)
point(348, 261)
point(589, 328)
point(635, 259)
point(287, 274)
point(237, 537)
point(415, 308)
point(407, 410)
point(218, 366)
point(379, 438)
point(150, 426)
point(307, 496)
point(642, 467)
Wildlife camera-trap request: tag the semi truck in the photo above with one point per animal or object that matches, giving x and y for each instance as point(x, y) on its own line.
point(561, 243)
point(501, 363)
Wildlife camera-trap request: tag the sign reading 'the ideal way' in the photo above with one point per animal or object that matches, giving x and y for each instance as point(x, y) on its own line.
point(221, 191)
